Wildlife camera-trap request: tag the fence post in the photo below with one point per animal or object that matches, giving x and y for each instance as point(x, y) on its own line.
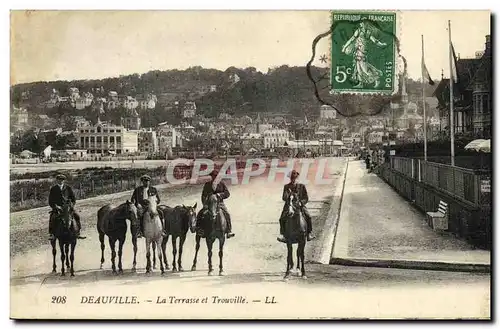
point(93, 186)
point(22, 195)
point(34, 192)
point(81, 191)
point(413, 168)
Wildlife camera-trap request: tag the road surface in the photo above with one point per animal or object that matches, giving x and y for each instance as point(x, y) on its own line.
point(254, 263)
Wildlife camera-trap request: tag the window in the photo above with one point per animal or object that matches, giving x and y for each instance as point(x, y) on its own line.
point(486, 104)
point(82, 141)
point(105, 139)
point(82, 131)
point(111, 139)
point(86, 140)
point(86, 130)
point(118, 139)
point(98, 139)
point(92, 139)
point(92, 130)
point(118, 130)
point(105, 130)
point(111, 130)
point(98, 129)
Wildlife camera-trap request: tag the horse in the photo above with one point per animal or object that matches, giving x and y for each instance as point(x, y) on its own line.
point(178, 221)
point(65, 233)
point(112, 222)
point(214, 225)
point(153, 229)
point(295, 233)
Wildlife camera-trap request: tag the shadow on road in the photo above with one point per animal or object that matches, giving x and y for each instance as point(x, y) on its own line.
point(317, 274)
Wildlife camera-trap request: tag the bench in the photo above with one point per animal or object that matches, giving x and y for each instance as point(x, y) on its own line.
point(439, 220)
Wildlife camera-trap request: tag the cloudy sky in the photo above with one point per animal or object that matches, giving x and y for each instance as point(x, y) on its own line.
point(66, 45)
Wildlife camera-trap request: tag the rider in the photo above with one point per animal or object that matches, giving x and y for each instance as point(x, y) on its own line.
point(223, 193)
point(140, 199)
point(301, 191)
point(58, 195)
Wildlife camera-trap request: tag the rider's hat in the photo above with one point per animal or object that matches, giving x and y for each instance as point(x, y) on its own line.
point(145, 178)
point(60, 176)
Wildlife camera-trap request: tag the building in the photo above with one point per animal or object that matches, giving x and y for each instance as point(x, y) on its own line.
point(472, 95)
point(103, 138)
point(82, 102)
point(129, 103)
point(327, 112)
point(80, 122)
point(249, 142)
point(147, 103)
point(189, 110)
point(275, 138)
point(132, 122)
point(148, 142)
point(168, 137)
point(19, 116)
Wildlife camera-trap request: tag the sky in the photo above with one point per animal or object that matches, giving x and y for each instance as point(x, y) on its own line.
point(64, 45)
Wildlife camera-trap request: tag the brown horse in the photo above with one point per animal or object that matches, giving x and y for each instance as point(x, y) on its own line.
point(112, 222)
point(214, 225)
point(65, 232)
point(178, 221)
point(295, 233)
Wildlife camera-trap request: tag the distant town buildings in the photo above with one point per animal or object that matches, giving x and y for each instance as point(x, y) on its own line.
point(148, 142)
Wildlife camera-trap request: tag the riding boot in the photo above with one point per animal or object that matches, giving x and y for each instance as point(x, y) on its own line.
point(78, 225)
point(281, 237)
point(229, 233)
point(51, 226)
point(140, 234)
point(307, 217)
point(163, 232)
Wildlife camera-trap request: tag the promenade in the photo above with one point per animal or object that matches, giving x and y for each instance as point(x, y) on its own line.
point(378, 225)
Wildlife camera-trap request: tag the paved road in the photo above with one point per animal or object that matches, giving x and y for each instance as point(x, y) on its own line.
point(377, 223)
point(254, 263)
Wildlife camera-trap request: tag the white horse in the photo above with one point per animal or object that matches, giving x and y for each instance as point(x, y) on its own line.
point(153, 229)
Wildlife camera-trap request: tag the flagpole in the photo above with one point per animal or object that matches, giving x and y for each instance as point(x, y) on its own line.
point(423, 102)
point(452, 124)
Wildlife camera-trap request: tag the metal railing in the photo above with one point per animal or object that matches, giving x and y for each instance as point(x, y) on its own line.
point(459, 182)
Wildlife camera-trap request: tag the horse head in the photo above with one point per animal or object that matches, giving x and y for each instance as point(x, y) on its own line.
point(152, 206)
point(293, 204)
point(213, 206)
point(131, 211)
point(66, 214)
point(190, 212)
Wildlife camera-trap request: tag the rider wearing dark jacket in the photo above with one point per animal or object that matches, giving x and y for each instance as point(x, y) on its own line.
point(140, 200)
point(222, 193)
point(60, 194)
point(301, 191)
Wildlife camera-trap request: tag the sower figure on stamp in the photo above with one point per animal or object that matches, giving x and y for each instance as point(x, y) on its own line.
point(140, 200)
point(301, 192)
point(60, 194)
point(222, 192)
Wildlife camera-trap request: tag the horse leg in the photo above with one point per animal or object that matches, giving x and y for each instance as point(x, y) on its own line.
point(174, 252)
point(158, 246)
point(197, 248)
point(302, 247)
point(112, 243)
point(103, 246)
point(148, 256)
point(221, 254)
point(182, 239)
point(164, 252)
point(54, 252)
point(121, 242)
point(72, 258)
point(298, 259)
point(134, 263)
point(210, 243)
point(153, 246)
point(289, 260)
point(66, 251)
point(61, 247)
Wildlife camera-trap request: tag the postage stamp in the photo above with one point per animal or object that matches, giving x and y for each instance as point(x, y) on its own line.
point(363, 52)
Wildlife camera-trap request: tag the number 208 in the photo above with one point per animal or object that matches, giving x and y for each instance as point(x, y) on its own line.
point(58, 299)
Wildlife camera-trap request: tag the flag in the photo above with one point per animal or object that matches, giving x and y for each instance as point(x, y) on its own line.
point(425, 73)
point(453, 73)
